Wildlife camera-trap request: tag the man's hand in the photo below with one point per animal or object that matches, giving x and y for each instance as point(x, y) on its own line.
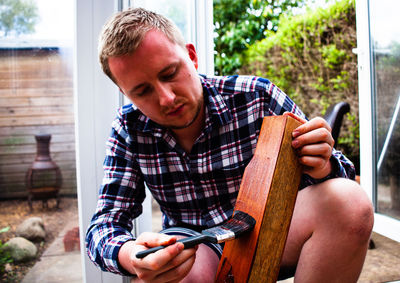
point(313, 142)
point(171, 264)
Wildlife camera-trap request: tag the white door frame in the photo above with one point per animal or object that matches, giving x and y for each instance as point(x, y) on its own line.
point(387, 226)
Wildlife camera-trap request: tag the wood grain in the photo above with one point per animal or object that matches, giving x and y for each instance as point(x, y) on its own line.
point(268, 193)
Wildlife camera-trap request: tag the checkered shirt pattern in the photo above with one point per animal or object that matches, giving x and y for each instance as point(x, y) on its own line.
point(196, 189)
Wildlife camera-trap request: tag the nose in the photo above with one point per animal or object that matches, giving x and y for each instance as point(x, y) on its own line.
point(166, 96)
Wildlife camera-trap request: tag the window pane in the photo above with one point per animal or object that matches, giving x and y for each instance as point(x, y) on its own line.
point(176, 10)
point(36, 98)
point(385, 37)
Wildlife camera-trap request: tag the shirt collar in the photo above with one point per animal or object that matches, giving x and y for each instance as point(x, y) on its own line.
point(217, 111)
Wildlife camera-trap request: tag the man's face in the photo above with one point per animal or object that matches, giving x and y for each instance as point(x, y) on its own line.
point(160, 78)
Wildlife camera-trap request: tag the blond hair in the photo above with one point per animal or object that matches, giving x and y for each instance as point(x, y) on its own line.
point(125, 30)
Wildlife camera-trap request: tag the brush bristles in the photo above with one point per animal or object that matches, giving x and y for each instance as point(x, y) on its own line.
point(240, 223)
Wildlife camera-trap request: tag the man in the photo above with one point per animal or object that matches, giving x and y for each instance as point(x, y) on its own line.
point(189, 137)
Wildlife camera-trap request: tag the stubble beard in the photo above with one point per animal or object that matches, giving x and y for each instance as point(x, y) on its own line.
point(198, 109)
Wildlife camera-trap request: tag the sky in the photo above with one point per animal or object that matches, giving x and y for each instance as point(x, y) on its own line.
point(56, 21)
point(384, 16)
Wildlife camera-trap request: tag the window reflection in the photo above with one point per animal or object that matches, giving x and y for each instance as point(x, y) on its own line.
point(385, 37)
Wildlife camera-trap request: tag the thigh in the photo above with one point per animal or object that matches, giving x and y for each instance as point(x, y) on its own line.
point(207, 257)
point(322, 207)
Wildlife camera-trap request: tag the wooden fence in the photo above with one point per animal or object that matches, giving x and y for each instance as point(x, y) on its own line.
point(36, 97)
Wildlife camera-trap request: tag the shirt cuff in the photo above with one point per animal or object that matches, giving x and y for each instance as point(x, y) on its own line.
point(307, 180)
point(110, 254)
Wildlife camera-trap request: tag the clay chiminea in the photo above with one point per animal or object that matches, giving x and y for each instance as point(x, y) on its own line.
point(43, 178)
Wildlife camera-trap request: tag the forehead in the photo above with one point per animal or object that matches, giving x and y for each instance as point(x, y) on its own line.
point(153, 54)
point(155, 42)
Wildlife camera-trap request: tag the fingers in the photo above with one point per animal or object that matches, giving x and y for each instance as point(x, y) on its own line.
point(313, 131)
point(166, 265)
point(313, 142)
point(173, 270)
point(314, 150)
point(154, 239)
point(156, 261)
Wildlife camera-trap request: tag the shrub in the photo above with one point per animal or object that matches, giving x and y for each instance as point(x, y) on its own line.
point(310, 57)
point(4, 255)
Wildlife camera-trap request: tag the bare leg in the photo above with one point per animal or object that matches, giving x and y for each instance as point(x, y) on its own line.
point(329, 234)
point(205, 267)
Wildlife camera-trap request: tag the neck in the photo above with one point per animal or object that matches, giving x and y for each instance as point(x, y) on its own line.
point(186, 137)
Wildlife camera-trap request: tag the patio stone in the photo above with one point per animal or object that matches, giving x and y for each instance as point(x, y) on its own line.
point(21, 249)
point(32, 229)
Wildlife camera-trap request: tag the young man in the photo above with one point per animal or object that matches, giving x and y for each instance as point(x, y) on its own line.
point(189, 137)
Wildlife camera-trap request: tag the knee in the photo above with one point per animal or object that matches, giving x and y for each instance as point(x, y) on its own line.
point(351, 208)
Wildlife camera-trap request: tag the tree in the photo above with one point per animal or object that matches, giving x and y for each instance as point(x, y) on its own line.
point(240, 23)
point(18, 17)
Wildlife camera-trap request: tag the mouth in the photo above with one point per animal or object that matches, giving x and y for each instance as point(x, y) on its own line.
point(176, 111)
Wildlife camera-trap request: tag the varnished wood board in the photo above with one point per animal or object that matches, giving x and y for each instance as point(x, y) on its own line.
point(268, 192)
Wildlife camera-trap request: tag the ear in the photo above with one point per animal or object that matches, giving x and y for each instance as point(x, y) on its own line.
point(192, 54)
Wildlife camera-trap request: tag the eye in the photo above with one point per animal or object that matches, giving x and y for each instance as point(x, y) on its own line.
point(145, 90)
point(169, 74)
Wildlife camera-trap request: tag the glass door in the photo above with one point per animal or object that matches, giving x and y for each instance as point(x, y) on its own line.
point(385, 52)
point(378, 48)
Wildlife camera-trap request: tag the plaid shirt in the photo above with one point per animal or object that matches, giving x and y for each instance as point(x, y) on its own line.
point(196, 189)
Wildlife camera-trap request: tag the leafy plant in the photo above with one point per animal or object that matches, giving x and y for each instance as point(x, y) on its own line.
point(4, 255)
point(310, 57)
point(240, 23)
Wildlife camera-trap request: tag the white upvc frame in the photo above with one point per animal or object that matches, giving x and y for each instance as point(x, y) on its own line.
point(203, 34)
point(96, 101)
point(384, 225)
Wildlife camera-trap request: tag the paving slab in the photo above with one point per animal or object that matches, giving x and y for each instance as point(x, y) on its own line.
point(56, 265)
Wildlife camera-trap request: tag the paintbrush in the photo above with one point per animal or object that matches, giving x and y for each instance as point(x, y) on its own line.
point(239, 224)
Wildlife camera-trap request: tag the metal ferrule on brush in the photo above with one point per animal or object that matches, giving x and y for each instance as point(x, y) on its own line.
point(221, 234)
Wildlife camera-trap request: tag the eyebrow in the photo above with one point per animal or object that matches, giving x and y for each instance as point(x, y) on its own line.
point(174, 64)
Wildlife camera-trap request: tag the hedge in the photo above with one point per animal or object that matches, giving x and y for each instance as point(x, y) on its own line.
point(311, 58)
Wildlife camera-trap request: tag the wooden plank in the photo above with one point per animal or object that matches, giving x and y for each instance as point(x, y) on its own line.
point(30, 139)
point(27, 158)
point(42, 71)
point(29, 130)
point(36, 101)
point(36, 92)
point(30, 111)
point(31, 62)
point(20, 186)
point(19, 178)
point(69, 191)
point(25, 121)
point(268, 192)
point(6, 169)
point(31, 148)
point(36, 83)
